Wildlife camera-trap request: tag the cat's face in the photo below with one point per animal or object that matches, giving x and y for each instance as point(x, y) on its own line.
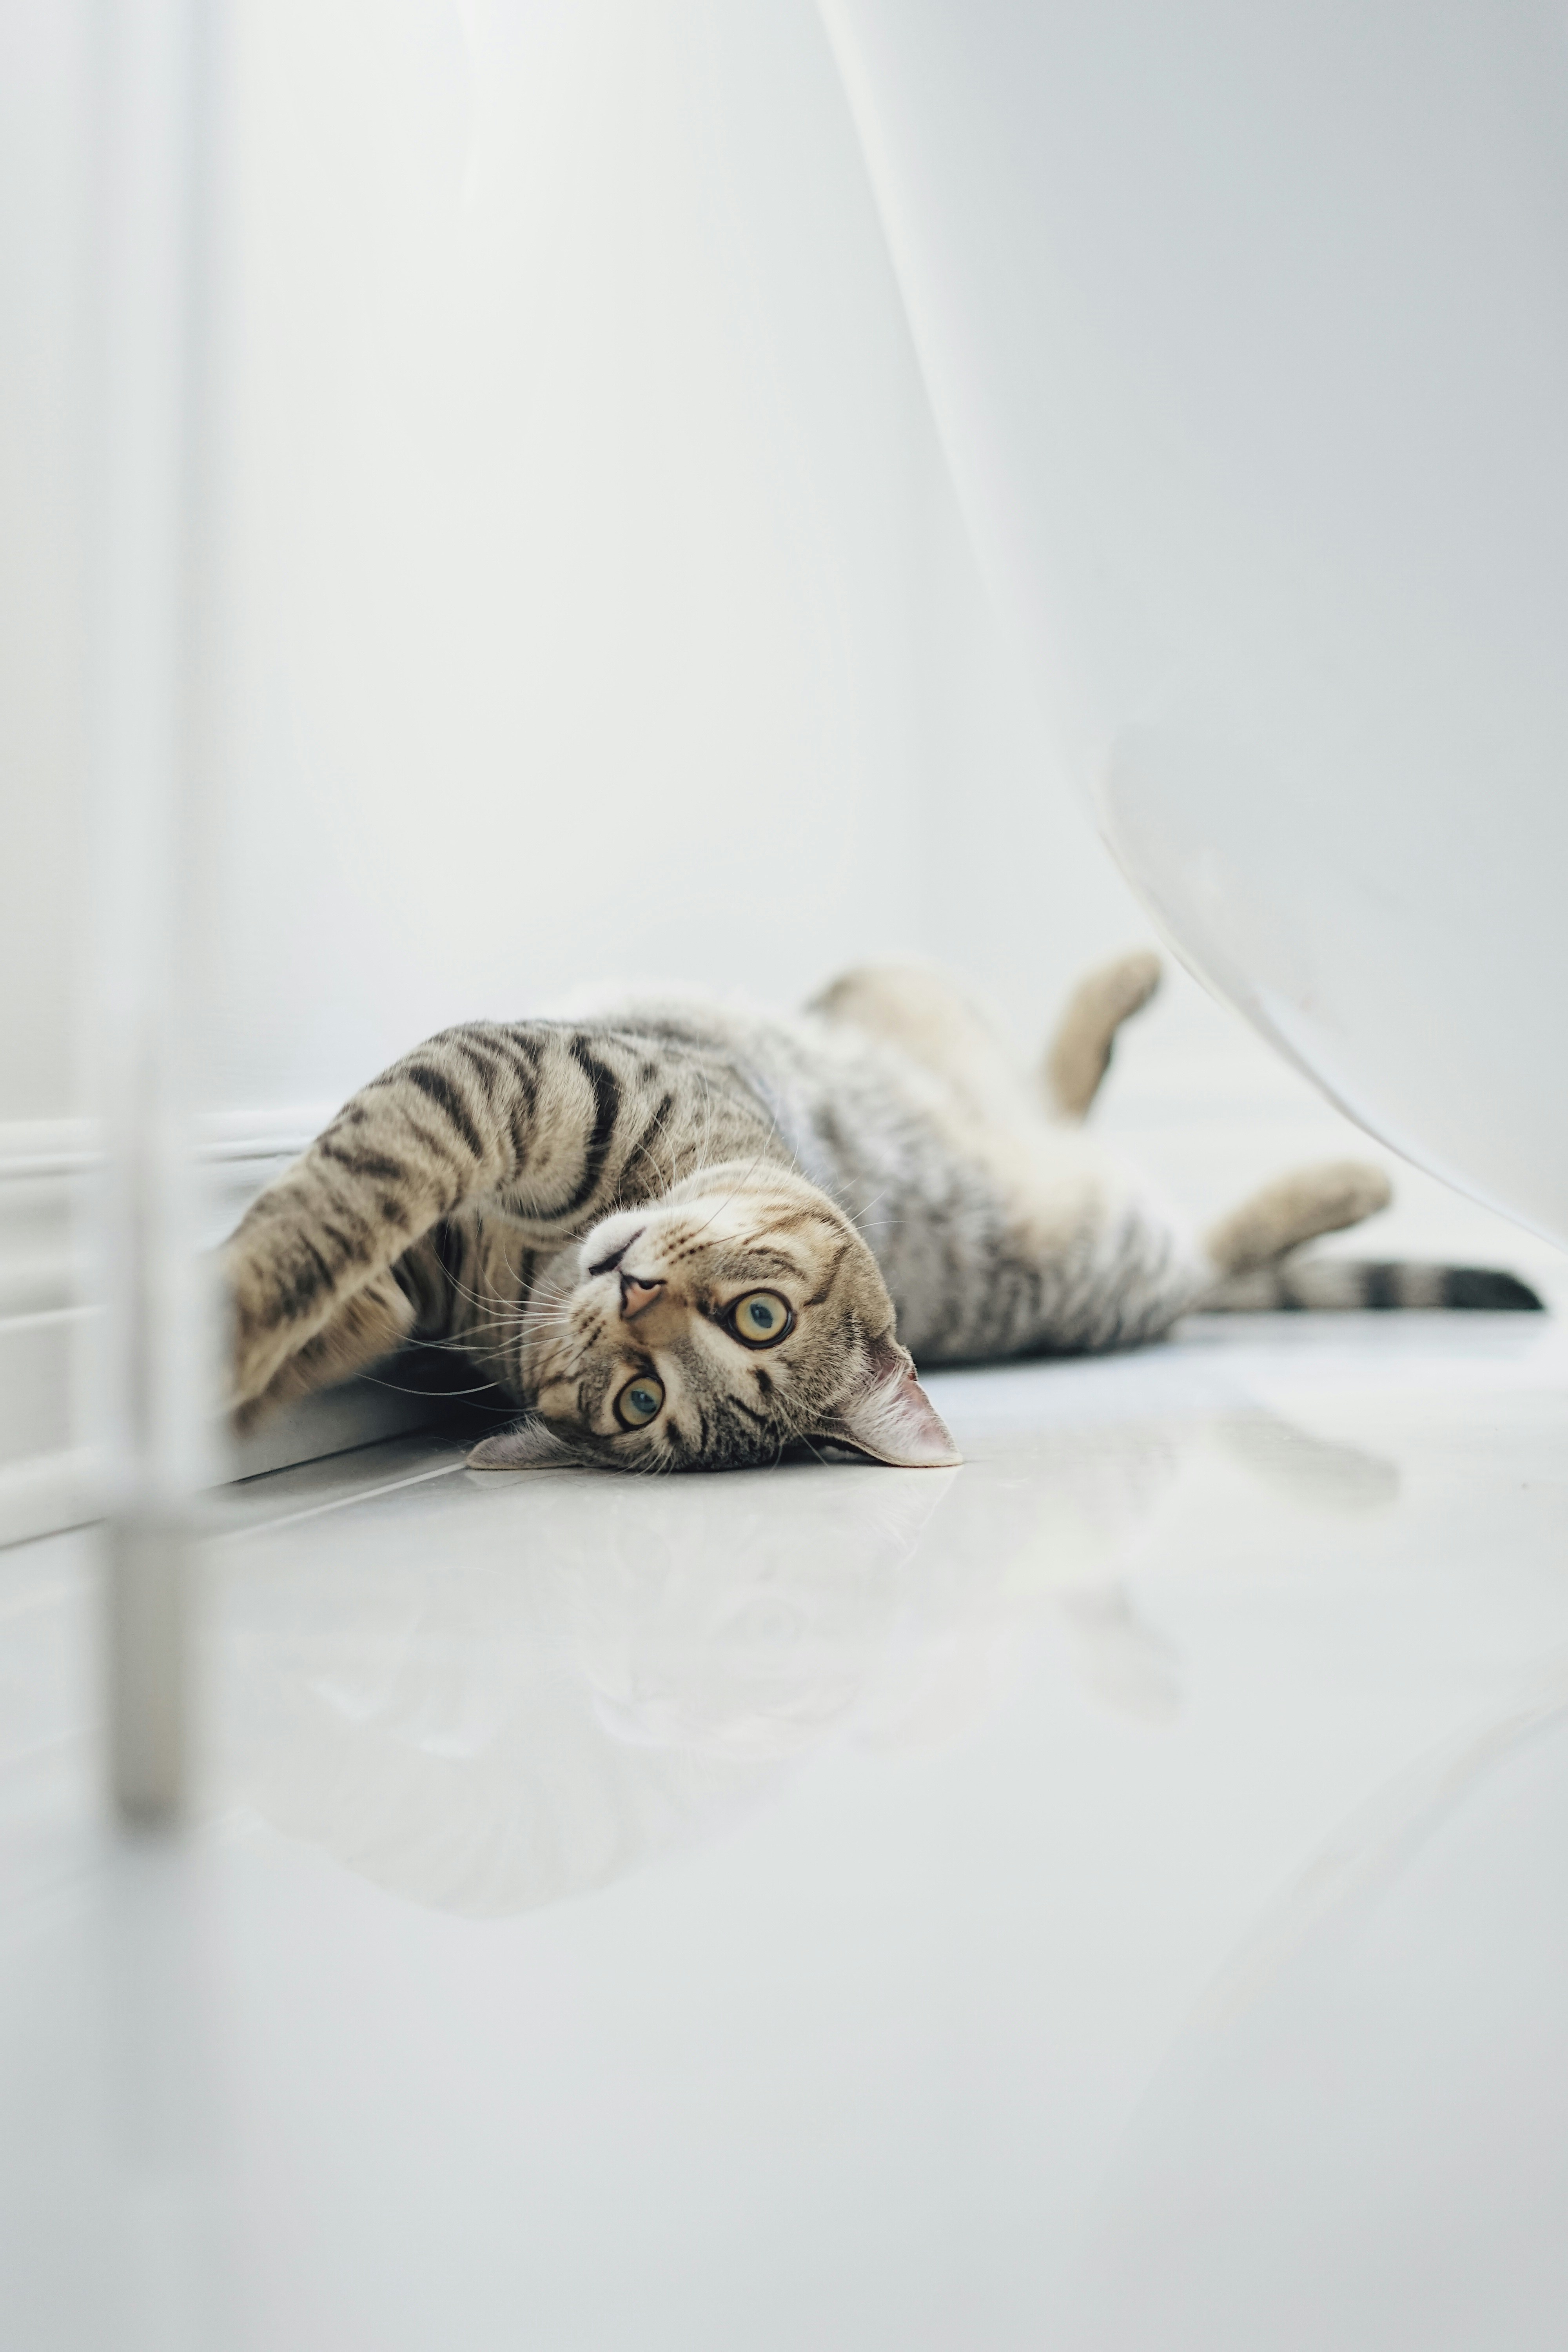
point(712, 1329)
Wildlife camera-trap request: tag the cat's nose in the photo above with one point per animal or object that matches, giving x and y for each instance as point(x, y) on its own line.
point(636, 1295)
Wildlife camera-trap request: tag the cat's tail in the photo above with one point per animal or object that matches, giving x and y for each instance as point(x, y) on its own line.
point(1354, 1285)
point(1255, 1272)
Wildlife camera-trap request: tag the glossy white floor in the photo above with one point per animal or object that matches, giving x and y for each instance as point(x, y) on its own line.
point(1114, 1894)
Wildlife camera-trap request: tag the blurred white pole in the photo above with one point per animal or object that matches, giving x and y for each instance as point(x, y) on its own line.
point(144, 542)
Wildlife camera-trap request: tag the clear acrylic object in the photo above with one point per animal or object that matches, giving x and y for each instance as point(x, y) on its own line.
point(1247, 329)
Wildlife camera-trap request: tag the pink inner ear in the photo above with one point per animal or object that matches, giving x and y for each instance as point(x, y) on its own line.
point(893, 1420)
point(532, 1446)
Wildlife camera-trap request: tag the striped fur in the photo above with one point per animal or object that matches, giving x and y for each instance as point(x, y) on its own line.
point(576, 1205)
point(1353, 1285)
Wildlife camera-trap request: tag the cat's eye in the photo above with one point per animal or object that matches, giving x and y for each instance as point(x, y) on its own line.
point(760, 1320)
point(639, 1401)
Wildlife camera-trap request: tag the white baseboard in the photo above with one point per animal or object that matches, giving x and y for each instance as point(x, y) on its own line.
point(360, 1412)
point(46, 1167)
point(40, 1496)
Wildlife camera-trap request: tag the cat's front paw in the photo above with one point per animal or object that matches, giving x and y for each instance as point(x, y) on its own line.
point(261, 1336)
point(276, 1358)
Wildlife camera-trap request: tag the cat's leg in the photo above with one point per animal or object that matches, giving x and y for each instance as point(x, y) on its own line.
point(1292, 1209)
point(1091, 1257)
point(546, 1120)
point(371, 1324)
point(1079, 1053)
point(932, 1018)
point(1252, 1270)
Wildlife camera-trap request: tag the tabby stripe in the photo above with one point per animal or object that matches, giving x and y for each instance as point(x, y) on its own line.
point(349, 1253)
point(482, 1065)
point(439, 1089)
point(342, 1204)
point(640, 1148)
point(606, 1111)
point(522, 1056)
point(818, 1296)
point(528, 1049)
point(790, 1224)
point(448, 1247)
point(1379, 1286)
point(302, 1285)
point(363, 1164)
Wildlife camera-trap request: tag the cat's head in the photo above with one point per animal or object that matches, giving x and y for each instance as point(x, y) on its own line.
point(739, 1315)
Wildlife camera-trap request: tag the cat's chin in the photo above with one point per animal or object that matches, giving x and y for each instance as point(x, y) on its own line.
point(605, 1243)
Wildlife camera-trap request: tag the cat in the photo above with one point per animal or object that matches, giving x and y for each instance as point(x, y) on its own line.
point(683, 1235)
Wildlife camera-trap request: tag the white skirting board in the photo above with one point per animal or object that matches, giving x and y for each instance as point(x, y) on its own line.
point(39, 1497)
point(47, 1167)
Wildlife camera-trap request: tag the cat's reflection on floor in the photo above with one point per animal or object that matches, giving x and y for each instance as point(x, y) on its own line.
point(490, 1699)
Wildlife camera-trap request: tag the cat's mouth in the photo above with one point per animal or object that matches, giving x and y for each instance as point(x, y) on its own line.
point(609, 1265)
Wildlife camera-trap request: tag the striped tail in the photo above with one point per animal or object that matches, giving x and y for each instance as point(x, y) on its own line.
point(1346, 1284)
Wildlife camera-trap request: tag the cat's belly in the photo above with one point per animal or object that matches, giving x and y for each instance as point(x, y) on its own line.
point(988, 1270)
point(993, 1241)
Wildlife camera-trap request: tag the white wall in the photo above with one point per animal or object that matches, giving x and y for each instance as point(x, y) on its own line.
point(596, 603)
point(43, 221)
point(43, 377)
point(578, 457)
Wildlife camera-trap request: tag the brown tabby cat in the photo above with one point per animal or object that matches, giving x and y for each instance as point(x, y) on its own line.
point(683, 1236)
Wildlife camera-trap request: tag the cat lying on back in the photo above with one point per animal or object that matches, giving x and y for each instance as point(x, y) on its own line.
point(684, 1236)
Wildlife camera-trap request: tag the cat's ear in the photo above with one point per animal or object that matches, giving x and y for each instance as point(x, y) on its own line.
point(891, 1418)
point(532, 1446)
